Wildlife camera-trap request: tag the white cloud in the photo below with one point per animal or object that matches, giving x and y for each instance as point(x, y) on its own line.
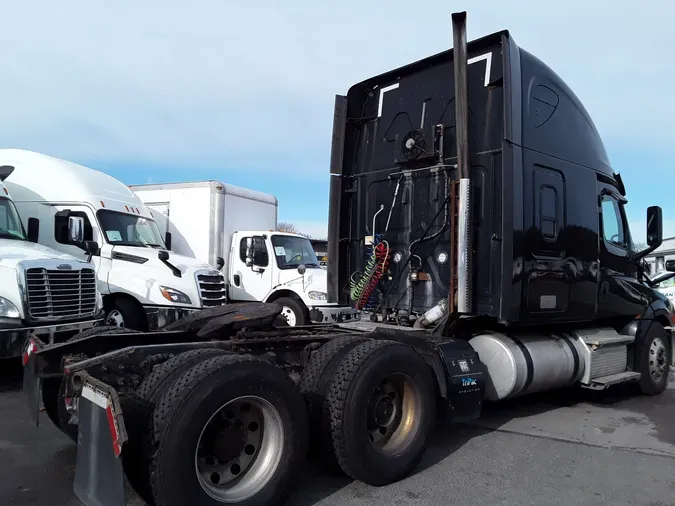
point(214, 83)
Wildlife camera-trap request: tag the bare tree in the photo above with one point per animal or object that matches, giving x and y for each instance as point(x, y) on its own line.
point(639, 246)
point(284, 226)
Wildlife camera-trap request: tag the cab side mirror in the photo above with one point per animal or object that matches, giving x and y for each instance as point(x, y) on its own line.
point(76, 229)
point(33, 231)
point(654, 226)
point(167, 241)
point(670, 265)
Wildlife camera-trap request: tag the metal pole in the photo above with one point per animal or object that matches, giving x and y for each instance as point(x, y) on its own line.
point(465, 232)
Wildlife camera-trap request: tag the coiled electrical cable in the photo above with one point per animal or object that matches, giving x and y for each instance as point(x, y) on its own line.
point(361, 290)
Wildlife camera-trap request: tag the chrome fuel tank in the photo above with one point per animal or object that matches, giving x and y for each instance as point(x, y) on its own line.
point(529, 363)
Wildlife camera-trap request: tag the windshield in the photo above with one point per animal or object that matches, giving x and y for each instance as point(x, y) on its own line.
point(290, 252)
point(128, 230)
point(10, 223)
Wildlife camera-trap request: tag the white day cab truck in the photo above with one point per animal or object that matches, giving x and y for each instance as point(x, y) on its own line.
point(234, 228)
point(42, 292)
point(144, 287)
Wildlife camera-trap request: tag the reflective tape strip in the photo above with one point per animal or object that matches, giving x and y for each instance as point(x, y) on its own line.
point(96, 397)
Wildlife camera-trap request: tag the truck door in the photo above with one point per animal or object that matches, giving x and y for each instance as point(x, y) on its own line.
point(619, 291)
point(61, 242)
point(249, 282)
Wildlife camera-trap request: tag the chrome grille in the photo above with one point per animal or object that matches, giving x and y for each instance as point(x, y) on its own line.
point(59, 294)
point(212, 289)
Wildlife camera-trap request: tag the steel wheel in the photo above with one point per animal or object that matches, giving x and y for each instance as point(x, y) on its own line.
point(657, 359)
point(239, 449)
point(115, 319)
point(289, 315)
point(394, 414)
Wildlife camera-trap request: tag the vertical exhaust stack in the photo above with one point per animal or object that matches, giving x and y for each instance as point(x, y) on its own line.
point(464, 233)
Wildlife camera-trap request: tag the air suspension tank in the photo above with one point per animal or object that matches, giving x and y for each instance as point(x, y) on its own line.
point(529, 363)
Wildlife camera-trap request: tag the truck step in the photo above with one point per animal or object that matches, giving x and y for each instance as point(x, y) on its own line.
point(604, 336)
point(613, 379)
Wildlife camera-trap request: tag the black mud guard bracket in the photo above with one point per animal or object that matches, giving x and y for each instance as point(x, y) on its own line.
point(99, 475)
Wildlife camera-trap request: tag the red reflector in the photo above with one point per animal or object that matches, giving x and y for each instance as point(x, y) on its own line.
point(29, 349)
point(117, 448)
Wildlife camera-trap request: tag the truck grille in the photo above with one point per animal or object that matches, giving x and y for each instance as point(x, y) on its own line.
point(212, 289)
point(60, 294)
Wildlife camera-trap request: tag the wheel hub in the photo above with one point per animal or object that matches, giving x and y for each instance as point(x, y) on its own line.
point(657, 359)
point(229, 442)
point(239, 449)
point(384, 410)
point(289, 315)
point(394, 414)
point(115, 319)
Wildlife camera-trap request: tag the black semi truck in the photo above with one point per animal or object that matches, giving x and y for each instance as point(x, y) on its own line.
point(474, 216)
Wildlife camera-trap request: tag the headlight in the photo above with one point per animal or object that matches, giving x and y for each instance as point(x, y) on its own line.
point(174, 295)
point(317, 295)
point(8, 309)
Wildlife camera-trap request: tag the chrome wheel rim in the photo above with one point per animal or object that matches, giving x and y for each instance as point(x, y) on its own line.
point(115, 319)
point(239, 449)
point(658, 361)
point(289, 315)
point(394, 414)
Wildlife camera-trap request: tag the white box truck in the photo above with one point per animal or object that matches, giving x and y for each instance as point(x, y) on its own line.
point(234, 228)
point(43, 292)
point(144, 287)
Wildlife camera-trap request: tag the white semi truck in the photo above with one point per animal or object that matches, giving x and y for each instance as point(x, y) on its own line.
point(234, 228)
point(144, 287)
point(42, 292)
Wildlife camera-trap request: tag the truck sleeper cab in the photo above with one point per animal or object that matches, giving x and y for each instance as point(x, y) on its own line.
point(483, 189)
point(42, 292)
point(143, 286)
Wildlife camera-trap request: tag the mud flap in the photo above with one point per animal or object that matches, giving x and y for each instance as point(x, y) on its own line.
point(99, 477)
point(31, 383)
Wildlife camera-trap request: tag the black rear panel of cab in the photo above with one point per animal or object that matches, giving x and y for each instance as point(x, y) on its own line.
point(382, 114)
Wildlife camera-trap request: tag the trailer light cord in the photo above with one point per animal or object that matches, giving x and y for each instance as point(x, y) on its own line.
point(360, 290)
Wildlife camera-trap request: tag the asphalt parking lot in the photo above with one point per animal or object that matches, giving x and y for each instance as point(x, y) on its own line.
point(567, 448)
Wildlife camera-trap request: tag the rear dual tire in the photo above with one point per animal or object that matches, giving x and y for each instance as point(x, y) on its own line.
point(382, 402)
point(250, 422)
point(136, 454)
point(372, 408)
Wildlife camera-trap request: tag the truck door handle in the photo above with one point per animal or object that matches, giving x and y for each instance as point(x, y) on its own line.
point(237, 279)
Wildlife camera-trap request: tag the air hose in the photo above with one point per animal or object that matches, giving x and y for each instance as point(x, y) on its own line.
point(360, 290)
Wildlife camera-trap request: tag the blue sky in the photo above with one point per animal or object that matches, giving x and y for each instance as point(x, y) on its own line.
point(174, 91)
